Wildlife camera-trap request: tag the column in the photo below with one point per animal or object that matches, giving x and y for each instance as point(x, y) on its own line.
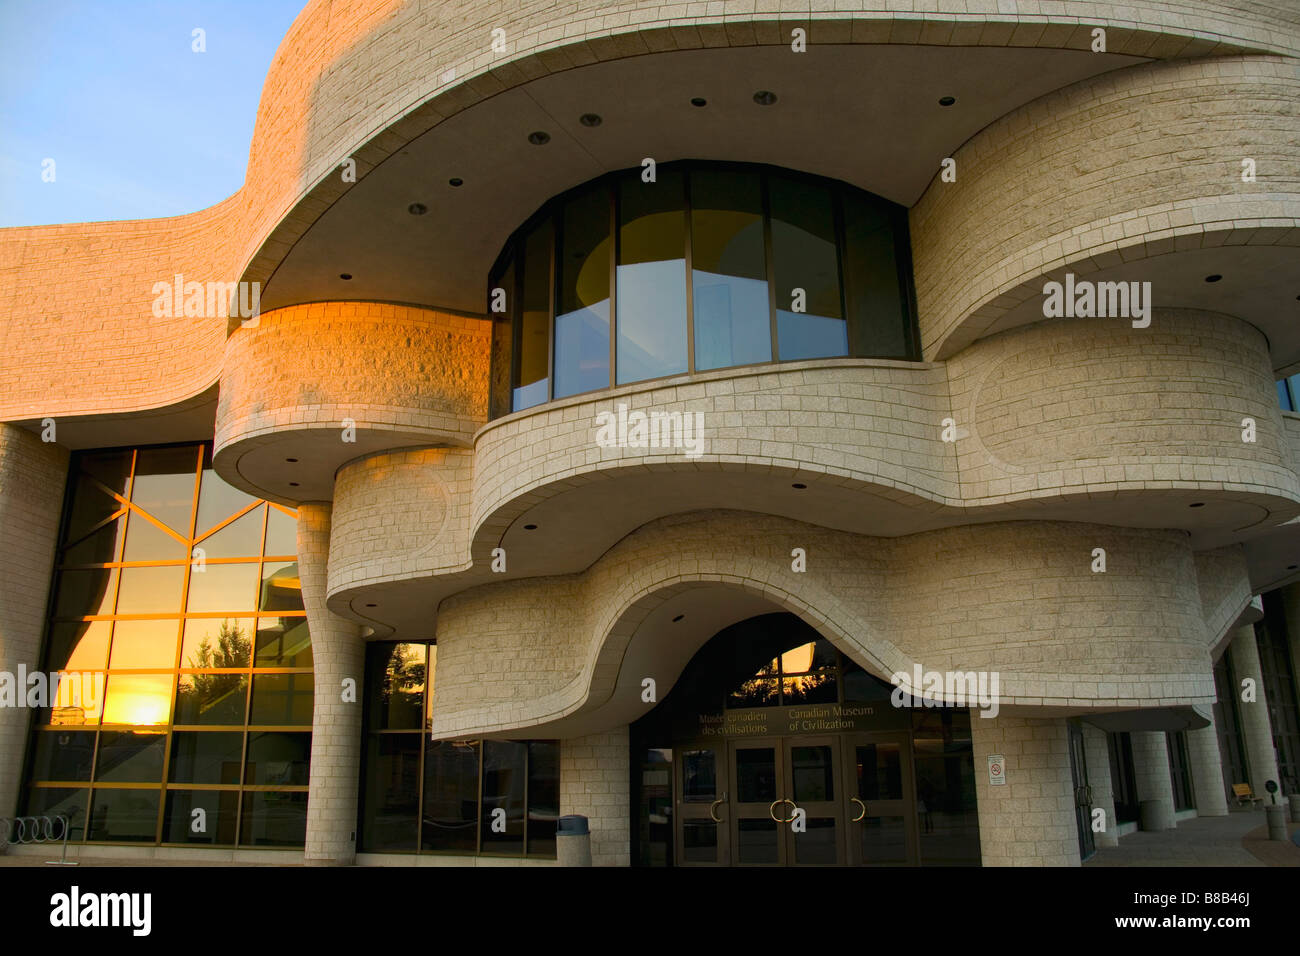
point(1154, 785)
point(1207, 770)
point(338, 653)
point(1256, 729)
point(32, 475)
point(1097, 753)
point(595, 782)
point(1029, 820)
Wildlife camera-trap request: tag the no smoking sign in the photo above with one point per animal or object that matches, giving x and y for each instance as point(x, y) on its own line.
point(997, 771)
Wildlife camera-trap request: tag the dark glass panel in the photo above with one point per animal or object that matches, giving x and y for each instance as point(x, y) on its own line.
point(67, 802)
point(274, 818)
point(130, 757)
point(813, 772)
point(878, 317)
point(218, 501)
point(124, 816)
point(79, 646)
point(1284, 396)
point(700, 841)
point(281, 532)
point(818, 843)
point(859, 686)
point(283, 642)
point(879, 772)
point(390, 799)
point(145, 541)
point(242, 538)
point(502, 344)
point(817, 688)
point(394, 692)
point(87, 593)
point(729, 270)
point(145, 645)
point(222, 587)
point(98, 547)
point(543, 796)
point(164, 485)
point(450, 818)
point(945, 798)
point(281, 587)
point(278, 759)
point(151, 590)
point(216, 642)
point(884, 840)
point(756, 692)
point(139, 699)
point(63, 755)
point(699, 776)
point(215, 826)
point(501, 822)
point(282, 699)
point(651, 278)
point(530, 380)
point(582, 319)
point(755, 774)
point(757, 841)
point(804, 257)
point(94, 479)
point(206, 757)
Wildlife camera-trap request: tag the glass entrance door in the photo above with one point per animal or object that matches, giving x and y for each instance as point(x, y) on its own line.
point(881, 798)
point(703, 816)
point(758, 804)
point(813, 787)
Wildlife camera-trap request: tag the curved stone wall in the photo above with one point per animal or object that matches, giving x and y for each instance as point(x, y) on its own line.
point(1145, 160)
point(1019, 598)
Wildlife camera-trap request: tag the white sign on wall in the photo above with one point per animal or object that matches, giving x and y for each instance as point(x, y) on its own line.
point(997, 771)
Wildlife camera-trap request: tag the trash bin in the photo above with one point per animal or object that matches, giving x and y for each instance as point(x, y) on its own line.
point(1294, 800)
point(573, 841)
point(1275, 814)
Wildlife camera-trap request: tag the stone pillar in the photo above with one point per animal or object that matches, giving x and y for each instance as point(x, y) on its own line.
point(1097, 753)
point(1207, 770)
point(338, 653)
point(1256, 729)
point(32, 476)
point(1152, 780)
point(595, 782)
point(1029, 820)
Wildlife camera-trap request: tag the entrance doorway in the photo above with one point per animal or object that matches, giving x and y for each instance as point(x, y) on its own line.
point(822, 800)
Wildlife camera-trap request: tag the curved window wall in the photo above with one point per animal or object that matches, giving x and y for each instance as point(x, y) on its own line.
point(181, 710)
point(709, 266)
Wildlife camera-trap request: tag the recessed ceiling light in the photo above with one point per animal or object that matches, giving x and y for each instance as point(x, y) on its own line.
point(539, 138)
point(590, 119)
point(1292, 567)
point(530, 527)
point(678, 618)
point(345, 275)
point(293, 484)
point(799, 485)
point(1214, 278)
point(417, 209)
point(947, 100)
point(292, 461)
point(1197, 504)
point(701, 101)
point(764, 97)
point(372, 605)
point(456, 181)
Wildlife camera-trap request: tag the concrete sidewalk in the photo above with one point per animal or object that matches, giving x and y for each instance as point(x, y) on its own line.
point(1239, 839)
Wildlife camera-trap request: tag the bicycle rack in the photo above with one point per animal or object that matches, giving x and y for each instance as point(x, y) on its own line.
point(37, 829)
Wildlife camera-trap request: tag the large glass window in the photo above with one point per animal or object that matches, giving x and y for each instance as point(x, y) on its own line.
point(715, 266)
point(446, 796)
point(168, 725)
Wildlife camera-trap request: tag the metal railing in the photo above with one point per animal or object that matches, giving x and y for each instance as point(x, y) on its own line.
point(24, 831)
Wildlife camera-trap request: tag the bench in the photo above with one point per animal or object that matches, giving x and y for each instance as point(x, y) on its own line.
point(1244, 794)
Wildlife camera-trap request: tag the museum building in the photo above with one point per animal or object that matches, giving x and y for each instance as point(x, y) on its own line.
point(651, 412)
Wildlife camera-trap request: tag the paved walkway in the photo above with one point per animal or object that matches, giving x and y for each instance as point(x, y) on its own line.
point(1239, 839)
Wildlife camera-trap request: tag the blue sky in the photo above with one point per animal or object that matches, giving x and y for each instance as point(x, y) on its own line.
point(137, 123)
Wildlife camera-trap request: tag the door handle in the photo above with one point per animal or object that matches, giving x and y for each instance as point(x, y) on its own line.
point(771, 812)
point(714, 806)
point(858, 818)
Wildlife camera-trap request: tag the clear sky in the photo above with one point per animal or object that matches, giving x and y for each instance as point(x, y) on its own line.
point(137, 123)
